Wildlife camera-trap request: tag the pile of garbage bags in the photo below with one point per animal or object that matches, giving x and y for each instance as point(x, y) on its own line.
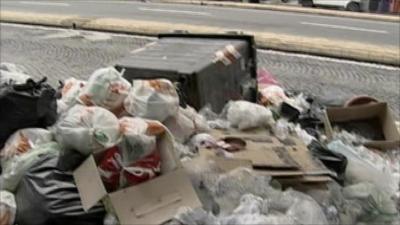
point(46, 133)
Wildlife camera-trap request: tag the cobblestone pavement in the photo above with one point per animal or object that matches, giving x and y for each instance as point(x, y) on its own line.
point(59, 54)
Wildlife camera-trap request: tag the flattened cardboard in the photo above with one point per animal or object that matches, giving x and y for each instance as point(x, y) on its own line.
point(151, 202)
point(355, 113)
point(86, 176)
point(154, 201)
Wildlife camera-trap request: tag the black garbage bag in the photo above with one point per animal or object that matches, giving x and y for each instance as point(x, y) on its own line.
point(332, 160)
point(69, 160)
point(32, 104)
point(48, 196)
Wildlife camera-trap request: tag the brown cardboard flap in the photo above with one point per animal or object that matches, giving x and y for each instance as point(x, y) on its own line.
point(369, 111)
point(362, 112)
point(89, 183)
point(155, 201)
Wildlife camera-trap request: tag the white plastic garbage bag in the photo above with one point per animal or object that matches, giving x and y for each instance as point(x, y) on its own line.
point(245, 115)
point(24, 140)
point(272, 95)
point(186, 123)
point(105, 88)
point(69, 93)
point(87, 129)
point(139, 137)
point(14, 169)
point(152, 99)
point(13, 77)
point(8, 208)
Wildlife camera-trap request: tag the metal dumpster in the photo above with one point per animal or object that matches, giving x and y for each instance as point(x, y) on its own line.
point(208, 69)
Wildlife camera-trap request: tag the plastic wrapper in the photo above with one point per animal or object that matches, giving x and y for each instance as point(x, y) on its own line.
point(69, 93)
point(11, 73)
point(8, 208)
point(361, 169)
point(14, 169)
point(32, 104)
point(48, 196)
point(186, 123)
point(202, 140)
point(117, 174)
point(272, 95)
point(105, 88)
point(87, 129)
point(7, 77)
point(24, 140)
point(136, 159)
point(365, 203)
point(152, 99)
point(245, 115)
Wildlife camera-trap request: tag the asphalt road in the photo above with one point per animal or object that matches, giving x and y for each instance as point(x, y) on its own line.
point(346, 29)
point(59, 54)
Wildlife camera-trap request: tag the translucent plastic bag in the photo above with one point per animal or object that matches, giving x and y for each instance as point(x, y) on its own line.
point(186, 123)
point(152, 99)
point(69, 93)
point(14, 169)
point(87, 129)
point(361, 170)
point(105, 88)
point(8, 208)
point(11, 73)
point(245, 115)
point(24, 140)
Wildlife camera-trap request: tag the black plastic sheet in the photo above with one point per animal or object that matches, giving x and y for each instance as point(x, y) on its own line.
point(48, 196)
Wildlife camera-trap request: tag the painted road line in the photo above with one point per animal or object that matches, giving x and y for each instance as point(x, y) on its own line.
point(175, 11)
point(344, 27)
point(44, 3)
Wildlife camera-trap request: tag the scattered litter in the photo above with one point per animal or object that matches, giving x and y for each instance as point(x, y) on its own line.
point(8, 208)
point(152, 99)
point(245, 115)
point(87, 129)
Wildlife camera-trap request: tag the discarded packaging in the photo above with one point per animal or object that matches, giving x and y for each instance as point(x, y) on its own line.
point(373, 121)
point(8, 208)
point(105, 88)
point(69, 93)
point(87, 129)
point(245, 115)
point(152, 99)
point(151, 202)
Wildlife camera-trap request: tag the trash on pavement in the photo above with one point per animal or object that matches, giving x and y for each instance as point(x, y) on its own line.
point(87, 129)
point(24, 140)
point(8, 208)
point(208, 69)
point(15, 168)
point(12, 74)
point(363, 166)
point(152, 99)
point(70, 90)
point(245, 115)
point(151, 202)
point(48, 196)
point(32, 104)
point(372, 121)
point(186, 123)
point(105, 88)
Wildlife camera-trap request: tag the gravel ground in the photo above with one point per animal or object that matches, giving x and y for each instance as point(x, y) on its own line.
point(59, 54)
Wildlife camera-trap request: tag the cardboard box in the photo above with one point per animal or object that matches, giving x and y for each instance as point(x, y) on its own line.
point(269, 156)
point(374, 113)
point(152, 202)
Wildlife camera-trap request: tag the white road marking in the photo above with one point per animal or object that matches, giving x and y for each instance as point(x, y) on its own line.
point(44, 3)
point(344, 27)
point(175, 11)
